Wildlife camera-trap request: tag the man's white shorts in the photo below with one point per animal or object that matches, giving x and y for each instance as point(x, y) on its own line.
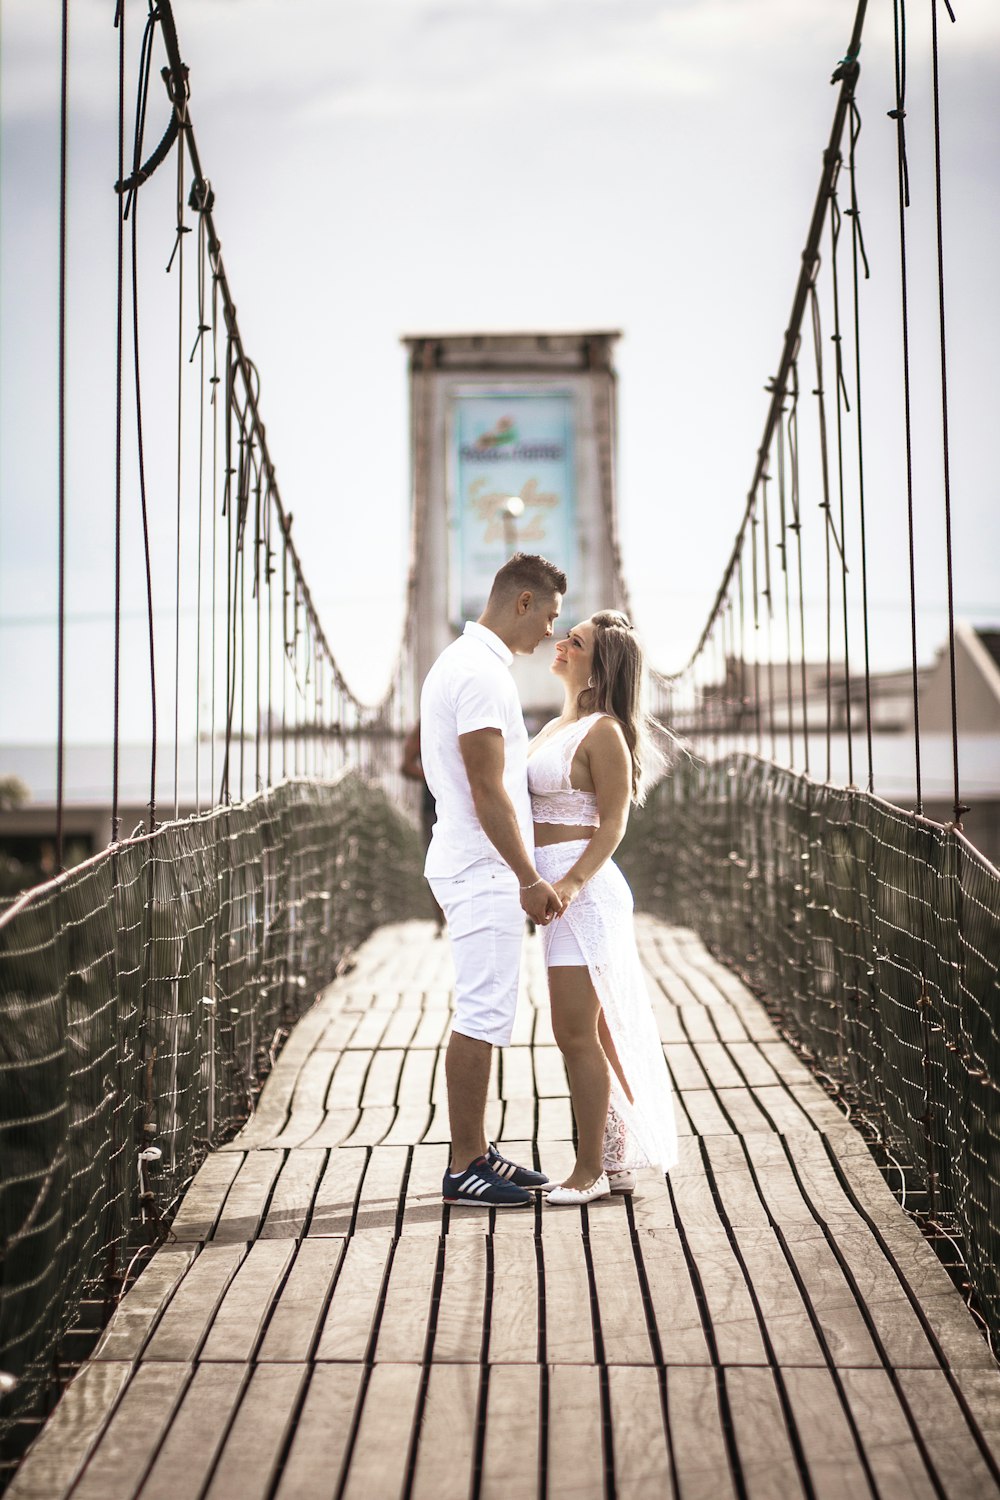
point(486, 928)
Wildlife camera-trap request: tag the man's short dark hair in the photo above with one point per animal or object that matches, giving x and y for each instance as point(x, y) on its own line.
point(526, 570)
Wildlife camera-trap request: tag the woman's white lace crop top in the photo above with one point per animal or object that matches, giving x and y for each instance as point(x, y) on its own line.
point(553, 799)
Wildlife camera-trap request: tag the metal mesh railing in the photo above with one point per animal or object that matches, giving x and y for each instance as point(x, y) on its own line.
point(142, 999)
point(874, 935)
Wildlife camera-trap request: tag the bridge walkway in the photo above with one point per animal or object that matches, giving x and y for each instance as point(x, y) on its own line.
point(767, 1323)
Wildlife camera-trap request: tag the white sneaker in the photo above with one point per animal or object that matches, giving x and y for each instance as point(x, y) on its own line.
point(564, 1197)
point(621, 1182)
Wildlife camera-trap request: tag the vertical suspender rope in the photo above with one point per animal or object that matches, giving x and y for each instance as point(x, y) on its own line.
point(858, 251)
point(179, 252)
point(119, 350)
point(959, 807)
point(61, 457)
point(903, 184)
point(842, 403)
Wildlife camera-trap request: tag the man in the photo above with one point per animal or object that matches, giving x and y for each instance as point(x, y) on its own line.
point(474, 752)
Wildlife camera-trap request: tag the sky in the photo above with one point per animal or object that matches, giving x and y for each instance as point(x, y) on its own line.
point(403, 166)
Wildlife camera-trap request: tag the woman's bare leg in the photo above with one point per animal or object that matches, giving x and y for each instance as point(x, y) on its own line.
point(576, 1012)
point(612, 1055)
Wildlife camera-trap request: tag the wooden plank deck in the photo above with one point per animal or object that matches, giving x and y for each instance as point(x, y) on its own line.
point(766, 1324)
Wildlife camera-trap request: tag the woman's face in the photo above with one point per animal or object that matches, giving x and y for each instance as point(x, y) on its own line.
point(575, 656)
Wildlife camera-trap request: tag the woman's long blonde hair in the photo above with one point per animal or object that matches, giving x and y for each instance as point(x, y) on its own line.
point(617, 688)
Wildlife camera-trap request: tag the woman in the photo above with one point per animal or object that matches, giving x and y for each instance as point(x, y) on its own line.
point(584, 769)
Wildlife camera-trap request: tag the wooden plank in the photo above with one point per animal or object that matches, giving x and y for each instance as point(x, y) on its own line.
point(555, 1120)
point(765, 1453)
point(569, 1337)
point(652, 1205)
point(550, 1073)
point(734, 1183)
point(402, 1336)
point(517, 1079)
point(702, 1107)
point(742, 1110)
point(348, 1325)
point(383, 1078)
point(575, 1451)
point(783, 1110)
point(776, 1181)
point(731, 1311)
point(953, 1325)
point(895, 1461)
point(378, 1204)
point(951, 1445)
point(828, 1444)
point(685, 1067)
point(511, 1465)
point(202, 1203)
point(675, 1308)
point(832, 1300)
point(308, 1104)
point(333, 1205)
point(696, 1434)
point(336, 1127)
point(402, 1025)
point(416, 1078)
point(315, 1462)
point(447, 1440)
point(514, 1310)
point(459, 1335)
point(619, 1298)
point(182, 1328)
point(237, 1325)
point(899, 1330)
point(719, 1067)
point(409, 1126)
point(196, 1434)
point(294, 1326)
point(378, 1462)
point(133, 1435)
point(423, 1208)
point(139, 1309)
point(431, 1028)
point(248, 1197)
point(519, 1119)
point(785, 1316)
point(72, 1432)
point(372, 1127)
point(639, 1442)
point(256, 1440)
point(293, 1196)
point(348, 1081)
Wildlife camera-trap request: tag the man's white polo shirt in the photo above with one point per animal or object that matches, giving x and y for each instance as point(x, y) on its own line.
point(470, 687)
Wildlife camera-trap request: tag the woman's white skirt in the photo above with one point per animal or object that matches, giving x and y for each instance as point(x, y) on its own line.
point(642, 1132)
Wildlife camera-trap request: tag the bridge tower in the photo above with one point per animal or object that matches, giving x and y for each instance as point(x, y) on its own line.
point(513, 449)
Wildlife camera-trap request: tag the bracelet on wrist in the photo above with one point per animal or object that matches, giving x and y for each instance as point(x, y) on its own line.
point(531, 887)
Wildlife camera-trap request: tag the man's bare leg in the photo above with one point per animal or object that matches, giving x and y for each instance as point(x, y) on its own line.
point(467, 1073)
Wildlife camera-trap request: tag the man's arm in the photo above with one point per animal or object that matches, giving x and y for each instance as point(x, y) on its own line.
point(482, 752)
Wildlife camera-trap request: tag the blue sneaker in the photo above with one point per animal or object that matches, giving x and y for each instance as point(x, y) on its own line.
point(479, 1186)
point(522, 1177)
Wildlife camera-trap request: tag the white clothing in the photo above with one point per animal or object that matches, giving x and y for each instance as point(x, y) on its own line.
point(482, 906)
point(642, 1131)
point(553, 799)
point(469, 687)
point(560, 947)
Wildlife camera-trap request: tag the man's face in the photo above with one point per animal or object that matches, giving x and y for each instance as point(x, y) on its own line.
point(540, 615)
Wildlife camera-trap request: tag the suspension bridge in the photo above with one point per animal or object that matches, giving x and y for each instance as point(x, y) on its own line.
point(224, 1263)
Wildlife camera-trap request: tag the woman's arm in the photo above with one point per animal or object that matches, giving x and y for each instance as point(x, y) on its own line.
point(610, 766)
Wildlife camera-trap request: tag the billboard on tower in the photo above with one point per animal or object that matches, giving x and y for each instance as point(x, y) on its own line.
point(507, 444)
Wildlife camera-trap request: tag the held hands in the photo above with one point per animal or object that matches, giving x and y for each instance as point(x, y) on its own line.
point(541, 903)
point(567, 889)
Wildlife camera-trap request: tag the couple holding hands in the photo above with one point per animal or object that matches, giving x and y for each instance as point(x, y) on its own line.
point(530, 829)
